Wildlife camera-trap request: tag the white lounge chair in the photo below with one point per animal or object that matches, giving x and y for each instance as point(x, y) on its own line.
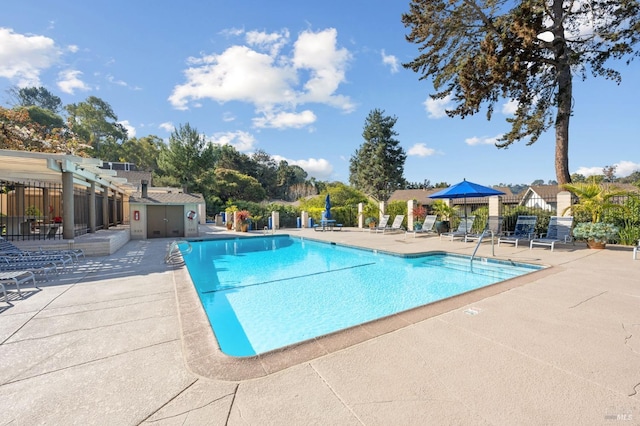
point(426, 228)
point(525, 230)
point(492, 228)
point(635, 251)
point(396, 226)
point(382, 225)
point(559, 231)
point(464, 228)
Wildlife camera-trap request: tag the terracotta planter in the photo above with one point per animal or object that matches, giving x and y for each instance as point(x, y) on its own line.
point(244, 227)
point(596, 245)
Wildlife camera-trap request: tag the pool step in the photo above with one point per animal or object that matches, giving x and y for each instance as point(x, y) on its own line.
point(478, 266)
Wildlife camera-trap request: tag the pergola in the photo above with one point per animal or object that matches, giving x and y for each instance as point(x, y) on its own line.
point(69, 171)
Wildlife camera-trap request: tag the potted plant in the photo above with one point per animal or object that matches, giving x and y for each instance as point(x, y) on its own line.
point(371, 213)
point(419, 213)
point(593, 200)
point(243, 220)
point(371, 222)
point(595, 234)
point(229, 211)
point(444, 212)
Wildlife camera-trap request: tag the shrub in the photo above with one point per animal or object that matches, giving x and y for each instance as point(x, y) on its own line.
point(599, 232)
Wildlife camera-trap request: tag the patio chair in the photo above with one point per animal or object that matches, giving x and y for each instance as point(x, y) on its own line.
point(525, 230)
point(17, 278)
point(382, 225)
point(7, 247)
point(426, 228)
point(464, 228)
point(493, 228)
point(396, 226)
point(36, 266)
point(559, 231)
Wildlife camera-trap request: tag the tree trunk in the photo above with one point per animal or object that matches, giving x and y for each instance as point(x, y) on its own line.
point(565, 97)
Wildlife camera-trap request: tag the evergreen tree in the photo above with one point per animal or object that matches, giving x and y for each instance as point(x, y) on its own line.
point(377, 167)
point(488, 51)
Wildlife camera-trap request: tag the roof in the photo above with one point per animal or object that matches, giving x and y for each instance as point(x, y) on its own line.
point(543, 191)
point(166, 198)
point(24, 166)
point(134, 177)
point(413, 194)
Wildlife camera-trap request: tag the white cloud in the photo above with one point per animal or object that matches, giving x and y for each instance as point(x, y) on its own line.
point(623, 168)
point(510, 108)
point(228, 116)
point(238, 74)
point(285, 120)
point(436, 108)
point(24, 57)
point(113, 80)
point(390, 60)
point(317, 53)
point(421, 150)
point(69, 81)
point(271, 42)
point(318, 168)
point(131, 131)
point(167, 126)
point(73, 48)
point(485, 140)
point(242, 141)
point(272, 81)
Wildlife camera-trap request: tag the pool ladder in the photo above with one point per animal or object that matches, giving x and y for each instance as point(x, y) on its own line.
point(174, 250)
point(493, 253)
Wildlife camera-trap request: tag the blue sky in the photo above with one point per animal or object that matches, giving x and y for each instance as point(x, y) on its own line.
point(296, 79)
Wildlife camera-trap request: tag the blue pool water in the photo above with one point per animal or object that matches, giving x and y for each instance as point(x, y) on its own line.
point(264, 293)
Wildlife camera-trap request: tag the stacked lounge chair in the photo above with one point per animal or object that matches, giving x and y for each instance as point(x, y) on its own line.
point(8, 248)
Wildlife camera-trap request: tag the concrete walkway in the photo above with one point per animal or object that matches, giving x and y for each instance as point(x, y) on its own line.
point(103, 345)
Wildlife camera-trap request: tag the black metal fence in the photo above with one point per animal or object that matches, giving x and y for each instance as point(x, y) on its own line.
point(33, 210)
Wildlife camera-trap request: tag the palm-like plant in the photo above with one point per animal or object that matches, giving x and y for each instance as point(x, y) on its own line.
point(594, 198)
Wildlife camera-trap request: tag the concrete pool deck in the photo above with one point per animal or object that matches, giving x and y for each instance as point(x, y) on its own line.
point(106, 345)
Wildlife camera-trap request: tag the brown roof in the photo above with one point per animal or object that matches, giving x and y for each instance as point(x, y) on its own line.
point(166, 198)
point(420, 195)
point(544, 191)
point(134, 177)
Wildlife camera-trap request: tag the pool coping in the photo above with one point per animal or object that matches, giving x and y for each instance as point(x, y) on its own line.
point(204, 357)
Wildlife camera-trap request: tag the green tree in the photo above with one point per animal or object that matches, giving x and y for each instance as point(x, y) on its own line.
point(47, 118)
point(377, 167)
point(233, 185)
point(143, 152)
point(36, 96)
point(485, 51)
point(265, 171)
point(186, 157)
point(95, 121)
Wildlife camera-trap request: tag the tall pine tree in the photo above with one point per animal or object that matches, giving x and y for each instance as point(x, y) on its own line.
point(377, 167)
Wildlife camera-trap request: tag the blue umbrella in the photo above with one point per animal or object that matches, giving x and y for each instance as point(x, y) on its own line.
point(466, 189)
point(327, 207)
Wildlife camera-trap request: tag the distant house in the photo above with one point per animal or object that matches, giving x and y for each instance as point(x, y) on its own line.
point(543, 197)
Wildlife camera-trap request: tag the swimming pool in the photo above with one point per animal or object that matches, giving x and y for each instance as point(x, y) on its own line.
point(264, 293)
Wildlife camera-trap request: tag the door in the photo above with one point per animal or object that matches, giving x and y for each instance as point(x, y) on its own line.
point(165, 221)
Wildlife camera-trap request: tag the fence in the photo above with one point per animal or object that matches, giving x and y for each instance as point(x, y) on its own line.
point(34, 210)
